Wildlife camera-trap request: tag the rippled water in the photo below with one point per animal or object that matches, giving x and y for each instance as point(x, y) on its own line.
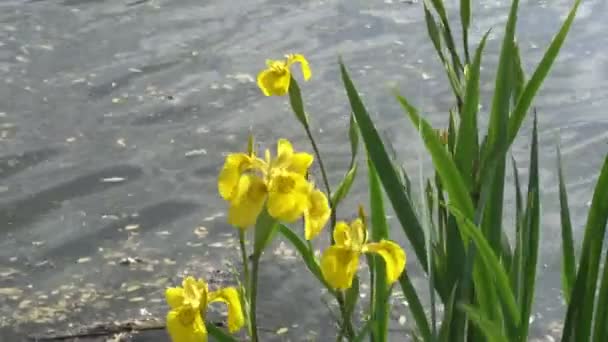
point(115, 116)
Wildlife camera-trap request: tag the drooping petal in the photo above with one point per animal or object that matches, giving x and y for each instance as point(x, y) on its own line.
point(248, 201)
point(228, 179)
point(175, 297)
point(317, 214)
point(186, 325)
point(274, 81)
point(304, 66)
point(287, 195)
point(230, 296)
point(393, 255)
point(339, 265)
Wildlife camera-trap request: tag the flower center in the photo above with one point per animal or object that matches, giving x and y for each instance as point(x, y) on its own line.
point(284, 184)
point(186, 315)
point(257, 191)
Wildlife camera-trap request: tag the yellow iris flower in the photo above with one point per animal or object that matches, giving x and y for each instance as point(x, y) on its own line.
point(248, 182)
point(185, 320)
point(340, 262)
point(275, 79)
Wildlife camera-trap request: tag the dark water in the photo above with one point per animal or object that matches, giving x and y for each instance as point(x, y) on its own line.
point(115, 117)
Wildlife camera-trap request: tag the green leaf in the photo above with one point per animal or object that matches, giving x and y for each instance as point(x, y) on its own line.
point(351, 297)
point(531, 234)
point(467, 145)
point(537, 78)
point(367, 328)
point(490, 329)
point(447, 33)
point(433, 31)
point(218, 334)
point(379, 232)
point(415, 306)
point(580, 310)
point(600, 332)
point(306, 253)
point(569, 259)
point(519, 76)
point(344, 186)
point(386, 171)
point(444, 331)
point(465, 20)
point(265, 228)
point(297, 105)
point(353, 136)
point(444, 165)
point(491, 263)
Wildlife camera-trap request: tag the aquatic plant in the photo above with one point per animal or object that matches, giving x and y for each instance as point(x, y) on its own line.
point(484, 280)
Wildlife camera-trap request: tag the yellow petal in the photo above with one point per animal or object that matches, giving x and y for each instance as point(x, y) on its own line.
point(300, 162)
point(247, 202)
point(358, 233)
point(284, 153)
point(342, 234)
point(287, 195)
point(297, 58)
point(175, 297)
point(393, 256)
point(317, 214)
point(274, 81)
point(230, 296)
point(228, 179)
point(186, 325)
point(194, 294)
point(339, 265)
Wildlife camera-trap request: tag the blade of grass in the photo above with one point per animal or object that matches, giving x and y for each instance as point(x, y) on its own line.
point(379, 232)
point(537, 78)
point(444, 165)
point(415, 306)
point(386, 171)
point(531, 233)
point(465, 20)
point(447, 34)
point(519, 76)
point(491, 263)
point(569, 259)
point(444, 331)
point(490, 329)
point(580, 310)
point(600, 330)
point(467, 145)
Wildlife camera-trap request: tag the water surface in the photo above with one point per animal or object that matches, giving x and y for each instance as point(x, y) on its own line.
point(115, 117)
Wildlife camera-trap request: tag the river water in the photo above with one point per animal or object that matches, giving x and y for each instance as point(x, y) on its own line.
point(115, 116)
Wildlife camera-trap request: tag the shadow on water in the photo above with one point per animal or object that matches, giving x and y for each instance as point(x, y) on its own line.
point(13, 164)
point(22, 212)
point(107, 88)
point(148, 219)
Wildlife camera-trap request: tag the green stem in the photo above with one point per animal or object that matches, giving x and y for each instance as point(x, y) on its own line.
point(253, 294)
point(347, 326)
point(325, 179)
point(245, 279)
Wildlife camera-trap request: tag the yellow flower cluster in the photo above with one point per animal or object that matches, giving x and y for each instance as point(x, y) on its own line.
point(280, 183)
point(185, 320)
point(339, 263)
